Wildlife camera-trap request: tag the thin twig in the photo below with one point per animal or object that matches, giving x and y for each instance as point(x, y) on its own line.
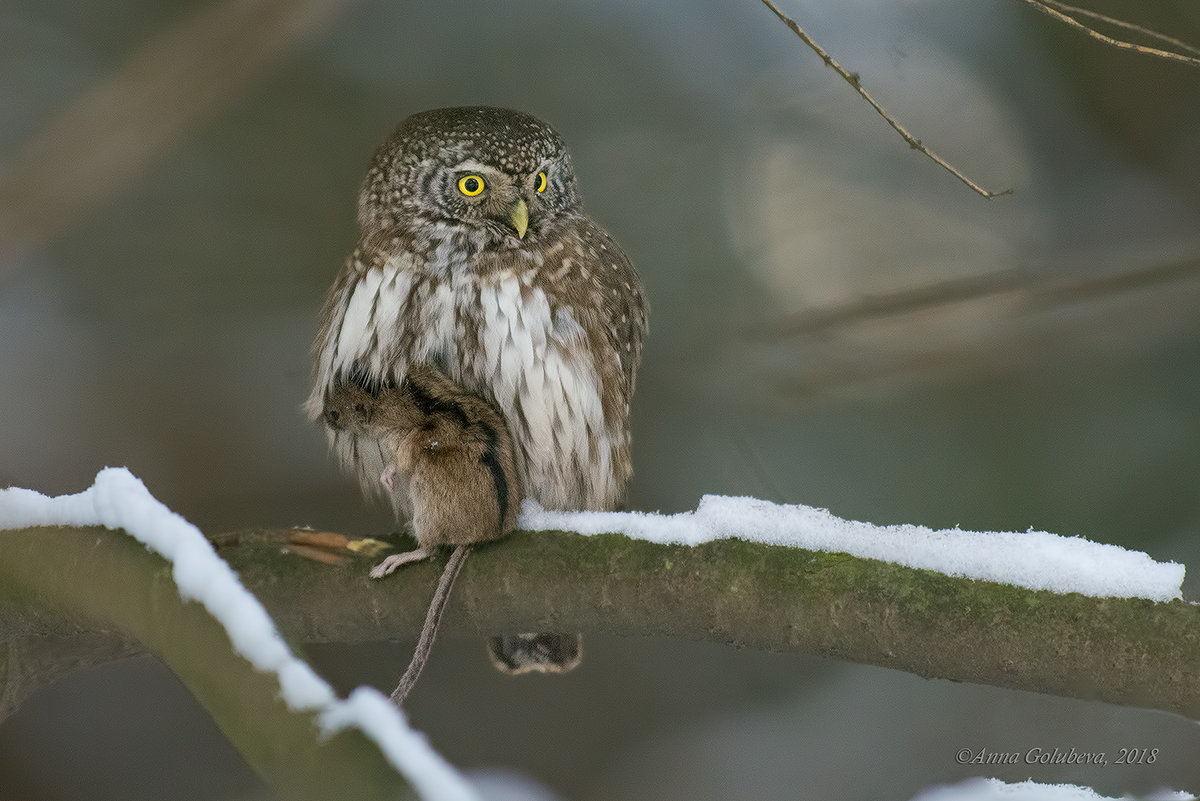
point(1061, 12)
point(1045, 288)
point(1120, 23)
point(854, 80)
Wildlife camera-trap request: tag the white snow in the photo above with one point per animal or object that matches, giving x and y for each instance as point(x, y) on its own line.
point(979, 789)
point(119, 500)
point(1036, 560)
point(1032, 559)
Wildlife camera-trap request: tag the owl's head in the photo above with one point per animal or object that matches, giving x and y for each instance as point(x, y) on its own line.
point(499, 173)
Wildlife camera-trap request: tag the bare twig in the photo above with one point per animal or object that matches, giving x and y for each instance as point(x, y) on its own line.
point(1039, 287)
point(1043, 311)
point(1062, 12)
point(1120, 23)
point(855, 81)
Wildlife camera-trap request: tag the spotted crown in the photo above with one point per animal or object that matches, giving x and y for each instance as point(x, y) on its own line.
point(411, 177)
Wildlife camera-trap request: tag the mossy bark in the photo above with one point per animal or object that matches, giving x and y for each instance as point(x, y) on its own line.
point(56, 582)
point(1120, 650)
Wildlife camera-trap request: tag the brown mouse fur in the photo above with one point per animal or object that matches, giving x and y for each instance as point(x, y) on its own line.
point(456, 453)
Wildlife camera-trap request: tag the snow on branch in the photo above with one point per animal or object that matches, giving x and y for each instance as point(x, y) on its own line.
point(1103, 623)
point(1036, 560)
point(984, 789)
point(119, 500)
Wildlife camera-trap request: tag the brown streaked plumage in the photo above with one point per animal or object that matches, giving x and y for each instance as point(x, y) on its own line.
point(506, 286)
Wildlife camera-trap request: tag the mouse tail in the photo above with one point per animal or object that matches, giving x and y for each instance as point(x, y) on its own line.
point(433, 620)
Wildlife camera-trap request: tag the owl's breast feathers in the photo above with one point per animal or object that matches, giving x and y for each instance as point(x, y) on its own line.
point(551, 332)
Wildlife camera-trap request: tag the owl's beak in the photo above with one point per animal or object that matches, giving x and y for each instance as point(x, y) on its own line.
point(520, 218)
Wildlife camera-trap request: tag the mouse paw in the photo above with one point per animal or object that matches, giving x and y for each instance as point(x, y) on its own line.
point(396, 560)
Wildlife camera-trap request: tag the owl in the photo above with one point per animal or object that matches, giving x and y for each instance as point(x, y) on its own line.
point(476, 256)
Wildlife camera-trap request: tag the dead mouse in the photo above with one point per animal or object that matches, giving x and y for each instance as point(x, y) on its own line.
point(456, 453)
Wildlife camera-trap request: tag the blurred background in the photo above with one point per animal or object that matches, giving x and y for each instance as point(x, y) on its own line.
point(835, 322)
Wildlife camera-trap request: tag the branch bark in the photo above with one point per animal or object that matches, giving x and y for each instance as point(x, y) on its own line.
point(56, 582)
point(1119, 650)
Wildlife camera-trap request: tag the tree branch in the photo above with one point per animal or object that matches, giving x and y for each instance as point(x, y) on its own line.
point(1119, 650)
point(54, 580)
point(855, 81)
point(1120, 23)
point(1062, 12)
point(1039, 286)
point(28, 664)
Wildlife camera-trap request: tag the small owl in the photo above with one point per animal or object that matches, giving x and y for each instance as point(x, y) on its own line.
point(475, 256)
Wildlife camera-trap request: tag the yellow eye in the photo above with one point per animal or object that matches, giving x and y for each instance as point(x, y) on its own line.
point(470, 185)
point(540, 182)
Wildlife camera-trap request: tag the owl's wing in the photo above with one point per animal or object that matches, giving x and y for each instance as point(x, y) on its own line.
point(333, 312)
point(622, 304)
point(359, 311)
